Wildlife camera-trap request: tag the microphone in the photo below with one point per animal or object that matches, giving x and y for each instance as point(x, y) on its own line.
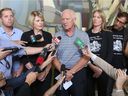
point(34, 38)
point(56, 40)
point(13, 49)
point(41, 59)
point(63, 73)
point(80, 44)
point(55, 43)
point(44, 52)
point(42, 56)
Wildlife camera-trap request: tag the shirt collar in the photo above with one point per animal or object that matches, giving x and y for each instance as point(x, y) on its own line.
point(3, 32)
point(75, 30)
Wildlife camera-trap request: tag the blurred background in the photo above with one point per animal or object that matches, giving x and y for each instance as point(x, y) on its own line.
point(52, 11)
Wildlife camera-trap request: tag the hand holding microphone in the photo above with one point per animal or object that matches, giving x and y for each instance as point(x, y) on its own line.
point(12, 49)
point(80, 44)
point(85, 50)
point(44, 52)
point(3, 54)
point(43, 55)
point(63, 73)
point(47, 61)
point(55, 43)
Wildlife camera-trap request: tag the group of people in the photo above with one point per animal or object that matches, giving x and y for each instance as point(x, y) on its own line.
point(97, 66)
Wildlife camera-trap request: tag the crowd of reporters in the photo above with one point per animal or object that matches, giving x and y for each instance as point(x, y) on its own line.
point(37, 51)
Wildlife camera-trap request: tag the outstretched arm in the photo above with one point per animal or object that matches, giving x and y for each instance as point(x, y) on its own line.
point(3, 54)
point(52, 90)
point(106, 67)
point(47, 61)
point(121, 78)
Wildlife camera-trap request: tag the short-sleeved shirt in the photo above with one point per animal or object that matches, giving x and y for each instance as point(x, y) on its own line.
point(17, 33)
point(118, 56)
point(68, 53)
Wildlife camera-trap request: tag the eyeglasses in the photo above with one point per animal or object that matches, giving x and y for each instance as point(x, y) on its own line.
point(118, 20)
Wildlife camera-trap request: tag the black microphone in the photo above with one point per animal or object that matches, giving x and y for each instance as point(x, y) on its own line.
point(13, 49)
point(34, 38)
point(63, 73)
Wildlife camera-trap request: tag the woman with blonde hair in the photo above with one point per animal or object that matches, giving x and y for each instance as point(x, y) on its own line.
point(101, 45)
point(37, 37)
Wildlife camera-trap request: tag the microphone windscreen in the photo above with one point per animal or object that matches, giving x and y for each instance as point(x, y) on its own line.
point(79, 43)
point(56, 40)
point(34, 38)
point(63, 67)
point(59, 37)
point(38, 37)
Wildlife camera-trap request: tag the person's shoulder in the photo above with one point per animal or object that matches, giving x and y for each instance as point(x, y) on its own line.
point(59, 33)
point(17, 30)
point(109, 28)
point(106, 31)
point(46, 32)
point(80, 32)
point(28, 32)
point(1, 29)
point(89, 31)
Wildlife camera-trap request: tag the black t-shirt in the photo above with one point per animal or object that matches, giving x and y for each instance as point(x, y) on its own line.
point(101, 44)
point(118, 57)
point(95, 42)
point(26, 37)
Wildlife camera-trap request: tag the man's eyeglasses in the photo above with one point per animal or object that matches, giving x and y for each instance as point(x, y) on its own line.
point(118, 20)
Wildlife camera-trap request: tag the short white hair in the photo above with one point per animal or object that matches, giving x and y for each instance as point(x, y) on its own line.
point(71, 12)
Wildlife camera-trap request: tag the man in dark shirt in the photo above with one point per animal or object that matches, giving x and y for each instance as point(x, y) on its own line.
point(118, 31)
